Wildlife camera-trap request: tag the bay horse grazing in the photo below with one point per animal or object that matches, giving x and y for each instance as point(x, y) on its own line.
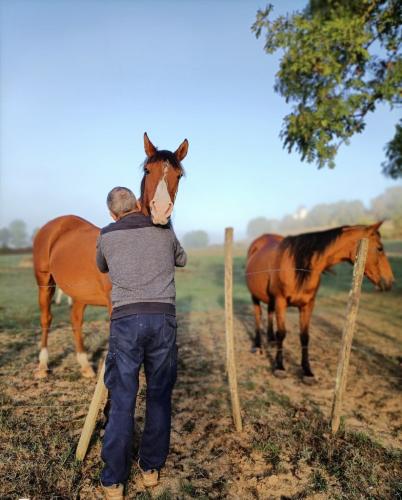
point(286, 272)
point(64, 250)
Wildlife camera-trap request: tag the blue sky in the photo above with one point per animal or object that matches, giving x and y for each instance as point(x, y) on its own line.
point(82, 80)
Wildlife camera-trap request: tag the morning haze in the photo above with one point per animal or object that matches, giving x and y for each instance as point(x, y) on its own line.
point(82, 81)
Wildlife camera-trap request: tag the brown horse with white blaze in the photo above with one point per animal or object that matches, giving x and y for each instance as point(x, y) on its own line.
point(287, 272)
point(64, 250)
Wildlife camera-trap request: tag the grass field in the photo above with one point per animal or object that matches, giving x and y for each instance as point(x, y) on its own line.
point(285, 450)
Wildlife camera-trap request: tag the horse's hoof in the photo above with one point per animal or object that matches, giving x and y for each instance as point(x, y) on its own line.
point(256, 350)
point(88, 372)
point(309, 380)
point(41, 373)
point(280, 373)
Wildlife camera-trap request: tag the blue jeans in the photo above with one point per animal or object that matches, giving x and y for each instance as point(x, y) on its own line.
point(136, 339)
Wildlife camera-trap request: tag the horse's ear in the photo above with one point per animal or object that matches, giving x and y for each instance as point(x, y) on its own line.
point(181, 151)
point(150, 149)
point(375, 227)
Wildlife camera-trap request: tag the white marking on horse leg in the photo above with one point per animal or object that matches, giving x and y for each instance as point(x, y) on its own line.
point(42, 370)
point(43, 358)
point(86, 368)
point(82, 359)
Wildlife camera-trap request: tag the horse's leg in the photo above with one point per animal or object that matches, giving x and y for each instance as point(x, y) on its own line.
point(280, 312)
point(77, 317)
point(305, 316)
point(271, 311)
point(257, 316)
point(46, 291)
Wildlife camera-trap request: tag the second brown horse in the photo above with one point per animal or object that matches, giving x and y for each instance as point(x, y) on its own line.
point(283, 272)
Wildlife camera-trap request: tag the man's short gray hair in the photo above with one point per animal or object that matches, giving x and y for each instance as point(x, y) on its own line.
point(121, 200)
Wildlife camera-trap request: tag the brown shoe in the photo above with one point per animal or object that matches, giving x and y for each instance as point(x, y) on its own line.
point(150, 477)
point(114, 492)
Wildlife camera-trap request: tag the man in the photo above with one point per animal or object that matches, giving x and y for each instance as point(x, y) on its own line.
point(140, 259)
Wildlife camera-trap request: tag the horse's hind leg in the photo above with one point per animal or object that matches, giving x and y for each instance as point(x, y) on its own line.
point(305, 316)
point(46, 286)
point(280, 311)
point(77, 317)
point(257, 316)
point(271, 311)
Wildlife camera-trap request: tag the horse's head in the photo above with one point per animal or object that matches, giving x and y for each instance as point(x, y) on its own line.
point(162, 173)
point(378, 269)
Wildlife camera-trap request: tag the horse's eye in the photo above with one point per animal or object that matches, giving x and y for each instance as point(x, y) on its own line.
point(380, 248)
point(146, 171)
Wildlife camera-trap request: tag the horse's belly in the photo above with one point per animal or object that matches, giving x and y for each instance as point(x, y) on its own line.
point(257, 285)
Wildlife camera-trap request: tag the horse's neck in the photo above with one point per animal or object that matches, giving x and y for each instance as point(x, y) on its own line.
point(339, 251)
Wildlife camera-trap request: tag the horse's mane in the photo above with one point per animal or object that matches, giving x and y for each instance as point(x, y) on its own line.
point(164, 155)
point(303, 247)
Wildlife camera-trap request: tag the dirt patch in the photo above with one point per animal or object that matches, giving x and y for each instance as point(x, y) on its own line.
point(284, 452)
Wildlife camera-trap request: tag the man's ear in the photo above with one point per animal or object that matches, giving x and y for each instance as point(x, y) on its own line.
point(113, 216)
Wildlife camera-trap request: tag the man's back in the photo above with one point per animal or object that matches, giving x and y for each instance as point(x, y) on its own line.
point(140, 259)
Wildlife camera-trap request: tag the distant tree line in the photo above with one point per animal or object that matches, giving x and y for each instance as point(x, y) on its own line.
point(387, 206)
point(15, 235)
point(196, 239)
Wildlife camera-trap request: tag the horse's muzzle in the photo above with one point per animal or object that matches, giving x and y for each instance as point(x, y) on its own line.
point(385, 285)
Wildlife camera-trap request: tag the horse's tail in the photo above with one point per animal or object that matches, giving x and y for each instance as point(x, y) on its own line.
point(42, 244)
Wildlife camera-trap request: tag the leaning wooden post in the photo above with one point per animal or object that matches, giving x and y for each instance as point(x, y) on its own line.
point(347, 334)
point(230, 355)
point(89, 425)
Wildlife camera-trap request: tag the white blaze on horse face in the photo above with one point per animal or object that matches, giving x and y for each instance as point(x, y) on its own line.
point(161, 204)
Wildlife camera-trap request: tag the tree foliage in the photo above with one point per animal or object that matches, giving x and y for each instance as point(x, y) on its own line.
point(196, 239)
point(340, 59)
point(18, 233)
point(260, 225)
point(387, 206)
point(393, 166)
point(4, 237)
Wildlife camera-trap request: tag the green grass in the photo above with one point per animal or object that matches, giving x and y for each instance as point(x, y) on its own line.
point(199, 288)
point(19, 308)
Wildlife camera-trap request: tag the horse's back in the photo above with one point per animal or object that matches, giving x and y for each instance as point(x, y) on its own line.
point(49, 234)
point(270, 239)
point(65, 247)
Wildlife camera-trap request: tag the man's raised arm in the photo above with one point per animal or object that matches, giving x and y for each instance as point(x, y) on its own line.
point(100, 258)
point(180, 256)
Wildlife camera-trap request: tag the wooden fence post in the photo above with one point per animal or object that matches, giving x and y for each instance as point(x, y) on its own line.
point(89, 425)
point(347, 334)
point(230, 355)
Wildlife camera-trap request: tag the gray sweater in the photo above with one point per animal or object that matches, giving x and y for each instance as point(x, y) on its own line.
point(140, 259)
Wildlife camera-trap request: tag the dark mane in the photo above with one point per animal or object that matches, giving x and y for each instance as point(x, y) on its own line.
point(164, 155)
point(303, 247)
